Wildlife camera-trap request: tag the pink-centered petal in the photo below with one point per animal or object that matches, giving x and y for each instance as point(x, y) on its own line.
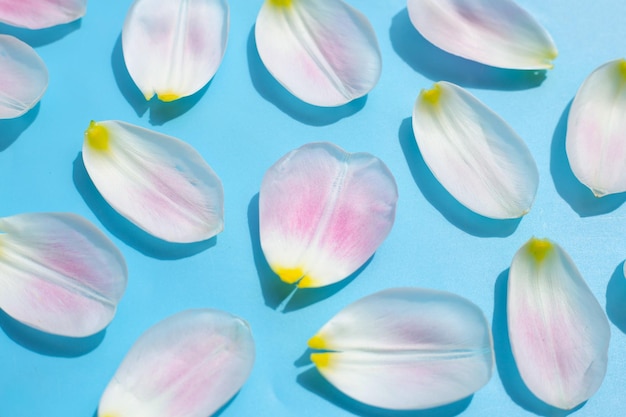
point(40, 14)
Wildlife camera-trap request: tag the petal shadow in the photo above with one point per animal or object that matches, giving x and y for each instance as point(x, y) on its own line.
point(160, 112)
point(442, 200)
point(272, 91)
point(48, 344)
point(436, 64)
point(126, 231)
point(616, 298)
point(11, 129)
point(576, 194)
point(313, 381)
point(40, 37)
point(505, 362)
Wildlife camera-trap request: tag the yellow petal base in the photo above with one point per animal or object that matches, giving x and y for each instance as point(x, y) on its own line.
point(280, 3)
point(317, 342)
point(321, 360)
point(539, 249)
point(433, 95)
point(97, 136)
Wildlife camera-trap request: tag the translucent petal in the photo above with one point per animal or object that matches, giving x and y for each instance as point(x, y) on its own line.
point(23, 77)
point(324, 212)
point(559, 333)
point(323, 51)
point(59, 273)
point(596, 130)
point(40, 14)
point(473, 153)
point(406, 348)
point(158, 182)
point(187, 365)
point(493, 32)
point(172, 48)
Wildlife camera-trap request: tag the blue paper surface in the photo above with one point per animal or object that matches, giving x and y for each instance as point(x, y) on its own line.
point(242, 122)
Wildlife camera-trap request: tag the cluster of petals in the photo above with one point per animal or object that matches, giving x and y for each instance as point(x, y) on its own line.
point(59, 273)
point(323, 212)
point(558, 331)
point(406, 348)
point(188, 365)
point(159, 183)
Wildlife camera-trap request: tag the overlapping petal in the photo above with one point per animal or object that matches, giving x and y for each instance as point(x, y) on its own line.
point(40, 14)
point(558, 331)
point(323, 51)
point(23, 77)
point(172, 48)
point(187, 365)
point(493, 32)
point(596, 130)
point(406, 348)
point(324, 212)
point(473, 153)
point(158, 182)
point(59, 273)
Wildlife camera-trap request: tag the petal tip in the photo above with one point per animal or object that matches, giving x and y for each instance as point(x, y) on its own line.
point(97, 136)
point(280, 3)
point(289, 275)
point(317, 342)
point(433, 95)
point(539, 249)
point(321, 360)
point(168, 97)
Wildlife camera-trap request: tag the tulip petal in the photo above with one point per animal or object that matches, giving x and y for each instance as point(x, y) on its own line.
point(188, 365)
point(172, 48)
point(323, 212)
point(158, 182)
point(473, 153)
point(23, 77)
point(40, 14)
point(596, 130)
point(59, 273)
point(558, 331)
point(323, 51)
point(493, 32)
point(406, 348)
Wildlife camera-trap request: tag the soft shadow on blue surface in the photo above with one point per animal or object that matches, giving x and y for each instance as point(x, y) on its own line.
point(616, 298)
point(40, 37)
point(160, 112)
point(441, 199)
point(272, 91)
point(277, 293)
point(125, 230)
point(11, 129)
point(505, 362)
point(46, 343)
point(313, 381)
point(577, 195)
point(436, 64)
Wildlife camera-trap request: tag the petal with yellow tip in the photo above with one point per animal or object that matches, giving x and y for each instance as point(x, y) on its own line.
point(473, 153)
point(172, 48)
point(323, 51)
point(498, 33)
point(59, 273)
point(323, 212)
point(23, 77)
point(596, 130)
point(159, 183)
point(406, 348)
point(188, 365)
point(558, 331)
point(40, 14)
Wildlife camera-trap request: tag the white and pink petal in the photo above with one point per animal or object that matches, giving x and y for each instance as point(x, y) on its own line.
point(41, 14)
point(59, 273)
point(323, 212)
point(159, 183)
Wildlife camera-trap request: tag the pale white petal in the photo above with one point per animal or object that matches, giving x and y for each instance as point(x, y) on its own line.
point(158, 182)
point(323, 51)
point(172, 48)
point(473, 153)
point(406, 348)
point(596, 130)
point(187, 365)
point(23, 77)
point(59, 273)
point(324, 212)
point(493, 32)
point(558, 331)
point(40, 14)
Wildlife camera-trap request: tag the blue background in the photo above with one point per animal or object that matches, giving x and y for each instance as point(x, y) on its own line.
point(242, 122)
